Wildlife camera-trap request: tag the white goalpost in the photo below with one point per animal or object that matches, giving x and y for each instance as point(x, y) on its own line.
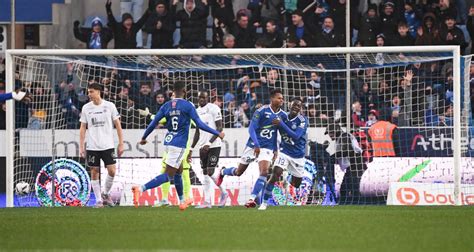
point(239, 81)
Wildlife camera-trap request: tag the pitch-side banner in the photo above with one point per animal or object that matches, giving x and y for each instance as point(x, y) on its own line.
point(432, 142)
point(427, 194)
point(139, 171)
point(415, 142)
point(382, 172)
point(39, 143)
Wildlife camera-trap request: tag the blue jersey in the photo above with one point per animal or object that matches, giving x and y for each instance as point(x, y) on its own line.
point(293, 136)
point(6, 96)
point(262, 132)
point(178, 113)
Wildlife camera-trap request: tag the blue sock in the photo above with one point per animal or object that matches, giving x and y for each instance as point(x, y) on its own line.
point(178, 184)
point(259, 184)
point(229, 171)
point(157, 181)
point(268, 192)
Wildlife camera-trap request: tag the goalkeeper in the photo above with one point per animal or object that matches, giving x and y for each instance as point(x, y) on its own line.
point(185, 165)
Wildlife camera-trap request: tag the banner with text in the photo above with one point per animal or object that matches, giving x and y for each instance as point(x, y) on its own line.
point(427, 194)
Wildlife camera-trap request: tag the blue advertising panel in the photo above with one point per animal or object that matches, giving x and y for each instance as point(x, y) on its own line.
point(27, 11)
point(432, 142)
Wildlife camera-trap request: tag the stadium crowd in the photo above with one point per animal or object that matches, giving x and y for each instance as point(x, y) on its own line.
point(414, 95)
point(279, 23)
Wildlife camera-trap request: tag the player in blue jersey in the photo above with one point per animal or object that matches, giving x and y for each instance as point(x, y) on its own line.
point(178, 113)
point(262, 144)
point(18, 95)
point(292, 150)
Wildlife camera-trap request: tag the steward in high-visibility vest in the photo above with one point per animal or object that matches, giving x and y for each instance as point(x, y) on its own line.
point(381, 135)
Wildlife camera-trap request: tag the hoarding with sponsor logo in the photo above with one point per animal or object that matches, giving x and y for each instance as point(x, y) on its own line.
point(414, 142)
point(423, 194)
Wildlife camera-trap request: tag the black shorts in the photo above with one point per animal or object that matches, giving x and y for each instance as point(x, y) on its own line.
point(93, 157)
point(211, 159)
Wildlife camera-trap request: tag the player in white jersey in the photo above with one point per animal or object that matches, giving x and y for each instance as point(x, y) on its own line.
point(98, 118)
point(209, 147)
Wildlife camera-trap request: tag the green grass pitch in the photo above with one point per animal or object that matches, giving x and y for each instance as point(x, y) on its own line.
point(341, 228)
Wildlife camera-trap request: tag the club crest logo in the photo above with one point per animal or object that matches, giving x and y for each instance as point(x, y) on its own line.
point(72, 185)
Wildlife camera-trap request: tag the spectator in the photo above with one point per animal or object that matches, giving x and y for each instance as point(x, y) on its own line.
point(372, 118)
point(193, 19)
point(39, 113)
point(301, 33)
point(399, 117)
point(271, 10)
point(369, 26)
point(125, 33)
point(96, 37)
point(243, 91)
point(444, 10)
point(144, 98)
point(123, 104)
point(382, 101)
point(366, 99)
point(273, 38)
point(389, 21)
point(409, 93)
point(470, 26)
point(313, 88)
point(161, 25)
point(320, 13)
point(135, 8)
point(160, 99)
point(452, 35)
point(290, 6)
point(412, 19)
point(338, 13)
point(328, 36)
point(244, 33)
point(446, 118)
point(253, 11)
point(229, 41)
point(357, 119)
point(428, 33)
point(223, 15)
point(403, 38)
point(240, 115)
point(263, 88)
point(380, 40)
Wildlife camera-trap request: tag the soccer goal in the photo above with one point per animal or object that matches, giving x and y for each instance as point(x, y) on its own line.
point(385, 125)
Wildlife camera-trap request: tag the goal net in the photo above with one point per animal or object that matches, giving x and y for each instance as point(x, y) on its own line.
point(382, 122)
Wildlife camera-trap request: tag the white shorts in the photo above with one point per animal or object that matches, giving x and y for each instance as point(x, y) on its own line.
point(174, 156)
point(295, 166)
point(248, 156)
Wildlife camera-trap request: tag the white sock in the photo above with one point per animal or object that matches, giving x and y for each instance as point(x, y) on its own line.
point(96, 188)
point(207, 189)
point(220, 187)
point(109, 181)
